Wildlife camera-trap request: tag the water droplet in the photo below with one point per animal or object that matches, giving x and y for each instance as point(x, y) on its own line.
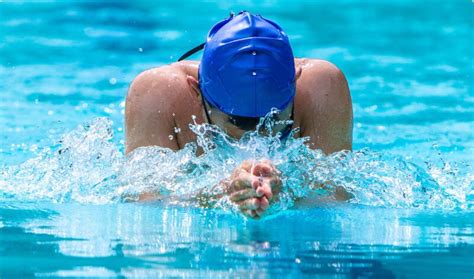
point(254, 52)
point(254, 73)
point(112, 81)
point(50, 112)
point(140, 49)
point(170, 137)
point(177, 130)
point(174, 114)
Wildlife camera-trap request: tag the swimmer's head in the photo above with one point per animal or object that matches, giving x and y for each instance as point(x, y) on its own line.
point(247, 66)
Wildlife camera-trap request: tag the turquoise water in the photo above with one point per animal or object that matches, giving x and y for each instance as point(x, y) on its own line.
point(64, 72)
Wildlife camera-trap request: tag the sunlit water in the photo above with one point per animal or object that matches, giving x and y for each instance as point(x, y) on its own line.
point(66, 186)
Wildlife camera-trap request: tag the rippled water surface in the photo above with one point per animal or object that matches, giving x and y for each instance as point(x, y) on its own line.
point(64, 73)
point(150, 241)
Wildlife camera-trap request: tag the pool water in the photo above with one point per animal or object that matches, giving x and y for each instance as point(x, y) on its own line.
point(150, 241)
point(64, 73)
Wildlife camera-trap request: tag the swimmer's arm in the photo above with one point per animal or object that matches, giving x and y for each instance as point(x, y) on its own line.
point(203, 197)
point(207, 198)
point(327, 118)
point(337, 193)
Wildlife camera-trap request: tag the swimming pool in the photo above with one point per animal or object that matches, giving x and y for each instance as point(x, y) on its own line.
point(64, 72)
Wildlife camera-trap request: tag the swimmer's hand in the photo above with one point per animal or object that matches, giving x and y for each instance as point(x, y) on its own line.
point(253, 186)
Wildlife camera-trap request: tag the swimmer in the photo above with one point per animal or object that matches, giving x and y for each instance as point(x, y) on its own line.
point(247, 68)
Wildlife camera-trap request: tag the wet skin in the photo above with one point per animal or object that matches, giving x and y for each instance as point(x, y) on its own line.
point(253, 185)
point(165, 98)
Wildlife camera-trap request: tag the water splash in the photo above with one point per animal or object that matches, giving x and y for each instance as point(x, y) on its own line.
point(87, 167)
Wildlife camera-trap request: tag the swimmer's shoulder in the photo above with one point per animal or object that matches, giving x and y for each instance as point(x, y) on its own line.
point(159, 100)
point(188, 67)
point(320, 77)
point(323, 105)
point(167, 81)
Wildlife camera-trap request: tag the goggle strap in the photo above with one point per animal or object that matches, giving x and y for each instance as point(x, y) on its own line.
point(192, 51)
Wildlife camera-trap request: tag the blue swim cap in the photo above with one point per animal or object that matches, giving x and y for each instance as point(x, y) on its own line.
point(247, 67)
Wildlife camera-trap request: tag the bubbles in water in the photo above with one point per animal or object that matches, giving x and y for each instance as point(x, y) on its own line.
point(140, 49)
point(113, 81)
